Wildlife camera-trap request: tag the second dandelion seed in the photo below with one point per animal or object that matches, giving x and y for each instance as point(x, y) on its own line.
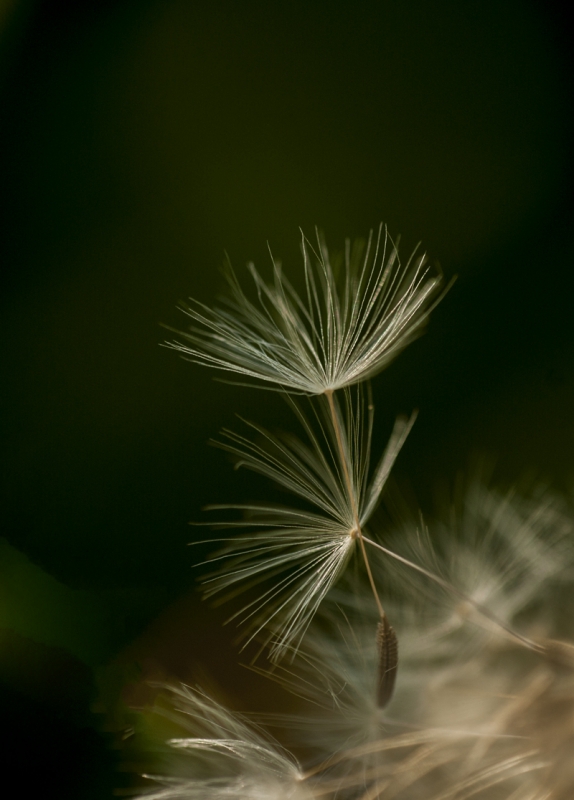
point(304, 551)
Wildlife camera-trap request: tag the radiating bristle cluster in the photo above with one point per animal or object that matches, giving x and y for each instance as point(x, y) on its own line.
point(483, 704)
point(304, 550)
point(339, 333)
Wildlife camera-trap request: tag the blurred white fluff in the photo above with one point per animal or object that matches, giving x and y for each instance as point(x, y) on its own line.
point(224, 757)
point(341, 333)
point(491, 720)
point(498, 557)
point(490, 728)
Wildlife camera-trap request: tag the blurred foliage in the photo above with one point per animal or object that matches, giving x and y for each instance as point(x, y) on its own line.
point(41, 608)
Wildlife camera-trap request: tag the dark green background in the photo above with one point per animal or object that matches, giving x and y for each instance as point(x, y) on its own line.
point(139, 140)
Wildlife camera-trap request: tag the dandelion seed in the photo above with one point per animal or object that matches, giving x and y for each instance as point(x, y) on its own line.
point(342, 333)
point(304, 551)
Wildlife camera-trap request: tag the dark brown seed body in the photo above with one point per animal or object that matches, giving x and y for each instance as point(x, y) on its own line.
point(388, 650)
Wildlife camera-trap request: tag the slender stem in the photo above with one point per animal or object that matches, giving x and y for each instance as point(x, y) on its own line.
point(352, 498)
point(524, 640)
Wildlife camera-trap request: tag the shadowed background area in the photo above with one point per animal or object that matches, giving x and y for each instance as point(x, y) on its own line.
point(139, 140)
